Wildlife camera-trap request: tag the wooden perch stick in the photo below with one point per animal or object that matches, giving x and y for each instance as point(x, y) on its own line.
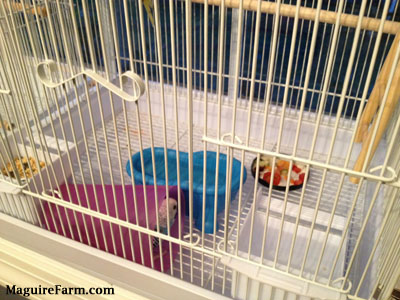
point(17, 6)
point(377, 93)
point(391, 102)
point(308, 13)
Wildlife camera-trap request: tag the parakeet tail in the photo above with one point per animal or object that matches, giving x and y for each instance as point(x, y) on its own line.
point(156, 242)
point(148, 5)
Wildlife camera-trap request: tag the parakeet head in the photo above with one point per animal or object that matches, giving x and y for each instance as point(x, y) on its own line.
point(172, 208)
point(165, 213)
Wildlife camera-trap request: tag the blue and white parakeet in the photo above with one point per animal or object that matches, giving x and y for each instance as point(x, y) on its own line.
point(162, 217)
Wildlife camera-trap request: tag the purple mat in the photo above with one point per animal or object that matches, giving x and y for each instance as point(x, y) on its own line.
point(121, 237)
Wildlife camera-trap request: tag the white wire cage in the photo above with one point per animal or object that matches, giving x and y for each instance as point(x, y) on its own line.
point(241, 78)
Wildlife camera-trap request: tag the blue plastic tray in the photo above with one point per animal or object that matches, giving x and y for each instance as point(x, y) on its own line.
point(198, 159)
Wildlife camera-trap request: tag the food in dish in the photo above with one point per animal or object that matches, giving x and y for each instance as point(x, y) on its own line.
point(23, 168)
point(281, 172)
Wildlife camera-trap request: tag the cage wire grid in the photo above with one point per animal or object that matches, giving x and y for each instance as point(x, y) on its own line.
point(215, 276)
point(203, 269)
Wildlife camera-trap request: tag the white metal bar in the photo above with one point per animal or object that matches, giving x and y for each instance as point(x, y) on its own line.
point(22, 109)
point(235, 99)
point(9, 209)
point(45, 143)
point(95, 68)
point(392, 201)
point(386, 264)
point(329, 38)
point(150, 123)
point(304, 60)
point(18, 92)
point(242, 57)
point(52, 35)
point(377, 240)
point(69, 61)
point(364, 66)
point(188, 12)
point(176, 114)
point(149, 35)
point(392, 223)
point(165, 139)
point(103, 264)
point(165, 34)
point(260, 81)
point(229, 158)
point(205, 112)
point(58, 61)
point(11, 160)
point(374, 55)
point(129, 34)
point(251, 99)
point(304, 96)
point(324, 73)
point(120, 222)
point(24, 41)
point(265, 118)
point(309, 13)
point(385, 96)
point(119, 71)
point(250, 56)
point(82, 122)
point(213, 46)
point(263, 55)
point(194, 48)
point(18, 214)
point(289, 72)
point(318, 164)
point(283, 55)
point(34, 43)
point(106, 49)
point(192, 263)
point(219, 91)
point(340, 66)
point(92, 57)
point(228, 257)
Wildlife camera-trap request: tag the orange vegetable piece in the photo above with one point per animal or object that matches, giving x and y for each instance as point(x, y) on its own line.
point(283, 164)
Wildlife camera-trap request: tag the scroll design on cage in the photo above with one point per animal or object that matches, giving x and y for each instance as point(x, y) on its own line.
point(138, 85)
point(194, 235)
point(230, 245)
point(343, 280)
point(390, 169)
point(230, 135)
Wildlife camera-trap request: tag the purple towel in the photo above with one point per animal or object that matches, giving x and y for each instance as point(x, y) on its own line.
point(120, 233)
